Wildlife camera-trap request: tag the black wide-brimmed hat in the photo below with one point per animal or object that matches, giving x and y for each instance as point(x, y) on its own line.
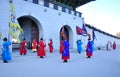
point(5, 39)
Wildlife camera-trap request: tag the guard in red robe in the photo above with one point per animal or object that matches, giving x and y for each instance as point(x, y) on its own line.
point(41, 49)
point(34, 45)
point(114, 45)
point(23, 47)
point(50, 44)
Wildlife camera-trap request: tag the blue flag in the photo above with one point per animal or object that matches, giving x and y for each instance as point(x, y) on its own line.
point(84, 31)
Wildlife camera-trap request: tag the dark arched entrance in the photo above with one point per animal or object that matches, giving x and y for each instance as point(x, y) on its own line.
point(30, 29)
point(68, 33)
point(64, 31)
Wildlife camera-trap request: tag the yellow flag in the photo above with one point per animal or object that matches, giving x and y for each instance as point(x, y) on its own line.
point(15, 29)
point(12, 7)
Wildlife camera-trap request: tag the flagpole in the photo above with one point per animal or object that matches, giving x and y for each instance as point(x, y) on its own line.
point(10, 1)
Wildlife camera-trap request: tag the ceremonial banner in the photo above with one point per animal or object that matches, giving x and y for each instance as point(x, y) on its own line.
point(15, 29)
point(78, 30)
point(84, 31)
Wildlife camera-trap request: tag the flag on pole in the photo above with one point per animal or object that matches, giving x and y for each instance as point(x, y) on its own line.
point(84, 31)
point(78, 30)
point(93, 33)
point(14, 28)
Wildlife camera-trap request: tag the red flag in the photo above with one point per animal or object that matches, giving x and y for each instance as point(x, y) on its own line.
point(78, 30)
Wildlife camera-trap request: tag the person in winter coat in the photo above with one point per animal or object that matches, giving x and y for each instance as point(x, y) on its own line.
point(6, 55)
point(79, 46)
point(65, 52)
point(41, 48)
point(89, 49)
point(50, 44)
point(23, 50)
point(114, 45)
point(34, 45)
point(108, 46)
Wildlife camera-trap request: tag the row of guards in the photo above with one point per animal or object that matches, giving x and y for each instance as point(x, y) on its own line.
point(40, 47)
point(15, 30)
point(64, 50)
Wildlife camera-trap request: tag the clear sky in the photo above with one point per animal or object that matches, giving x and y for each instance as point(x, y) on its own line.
point(103, 14)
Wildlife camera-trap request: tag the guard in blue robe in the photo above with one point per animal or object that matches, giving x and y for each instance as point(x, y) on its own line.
point(89, 49)
point(6, 55)
point(79, 46)
point(65, 52)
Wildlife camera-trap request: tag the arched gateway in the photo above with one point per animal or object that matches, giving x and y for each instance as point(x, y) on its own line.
point(31, 28)
point(68, 33)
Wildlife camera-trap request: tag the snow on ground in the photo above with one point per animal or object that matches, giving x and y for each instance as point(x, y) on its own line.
point(102, 64)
